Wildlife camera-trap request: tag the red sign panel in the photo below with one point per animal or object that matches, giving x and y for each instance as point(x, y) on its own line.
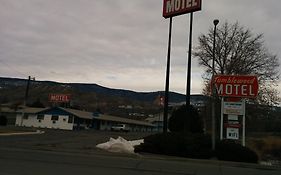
point(236, 86)
point(229, 125)
point(59, 98)
point(179, 7)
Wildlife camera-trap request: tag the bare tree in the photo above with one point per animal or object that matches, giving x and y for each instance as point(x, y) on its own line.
point(239, 52)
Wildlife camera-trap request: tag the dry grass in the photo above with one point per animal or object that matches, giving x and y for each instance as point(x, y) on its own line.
point(268, 147)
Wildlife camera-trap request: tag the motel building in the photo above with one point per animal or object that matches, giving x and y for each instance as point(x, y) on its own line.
point(71, 119)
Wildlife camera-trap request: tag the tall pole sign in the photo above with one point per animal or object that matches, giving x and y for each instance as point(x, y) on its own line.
point(173, 8)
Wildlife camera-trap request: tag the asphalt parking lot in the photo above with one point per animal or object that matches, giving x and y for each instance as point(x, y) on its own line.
point(75, 152)
point(60, 140)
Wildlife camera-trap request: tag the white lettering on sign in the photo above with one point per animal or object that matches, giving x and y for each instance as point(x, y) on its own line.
point(176, 5)
point(245, 86)
point(232, 133)
point(228, 89)
point(235, 90)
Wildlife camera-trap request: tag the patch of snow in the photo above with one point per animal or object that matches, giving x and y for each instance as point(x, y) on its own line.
point(120, 145)
point(265, 163)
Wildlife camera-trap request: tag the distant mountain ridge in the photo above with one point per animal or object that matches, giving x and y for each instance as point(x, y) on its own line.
point(95, 88)
point(89, 97)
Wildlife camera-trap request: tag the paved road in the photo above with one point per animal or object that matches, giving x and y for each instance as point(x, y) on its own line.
point(65, 152)
point(28, 162)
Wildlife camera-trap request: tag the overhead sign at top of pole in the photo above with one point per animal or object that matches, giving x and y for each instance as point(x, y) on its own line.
point(178, 7)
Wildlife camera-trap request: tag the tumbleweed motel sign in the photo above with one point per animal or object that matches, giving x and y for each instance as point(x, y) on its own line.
point(234, 89)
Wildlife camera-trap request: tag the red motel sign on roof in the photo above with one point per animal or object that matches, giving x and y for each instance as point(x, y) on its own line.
point(236, 86)
point(178, 7)
point(59, 98)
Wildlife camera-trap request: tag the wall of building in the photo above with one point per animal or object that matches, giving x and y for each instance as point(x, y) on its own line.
point(46, 122)
point(106, 126)
point(62, 123)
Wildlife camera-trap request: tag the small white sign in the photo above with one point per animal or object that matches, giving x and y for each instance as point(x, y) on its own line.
point(232, 133)
point(232, 117)
point(233, 108)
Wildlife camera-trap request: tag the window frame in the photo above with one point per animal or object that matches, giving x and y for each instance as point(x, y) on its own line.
point(55, 117)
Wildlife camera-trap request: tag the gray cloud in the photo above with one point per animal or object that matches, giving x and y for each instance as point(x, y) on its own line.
point(116, 43)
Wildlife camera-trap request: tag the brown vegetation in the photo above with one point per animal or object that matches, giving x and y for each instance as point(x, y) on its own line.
point(268, 147)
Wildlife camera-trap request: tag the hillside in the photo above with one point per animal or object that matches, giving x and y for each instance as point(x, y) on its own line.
point(84, 96)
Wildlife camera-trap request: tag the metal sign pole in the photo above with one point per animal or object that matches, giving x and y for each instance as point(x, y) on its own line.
point(166, 102)
point(243, 132)
point(189, 63)
point(222, 114)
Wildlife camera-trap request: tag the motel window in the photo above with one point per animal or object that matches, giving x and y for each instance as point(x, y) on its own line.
point(40, 117)
point(55, 117)
point(25, 116)
point(70, 119)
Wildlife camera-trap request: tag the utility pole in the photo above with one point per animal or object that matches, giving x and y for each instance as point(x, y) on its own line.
point(26, 97)
point(26, 91)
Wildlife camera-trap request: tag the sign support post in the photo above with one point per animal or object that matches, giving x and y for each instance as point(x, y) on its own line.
point(166, 102)
point(221, 127)
point(243, 132)
point(188, 80)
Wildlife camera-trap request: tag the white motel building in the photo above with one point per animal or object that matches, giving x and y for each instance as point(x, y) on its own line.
point(71, 119)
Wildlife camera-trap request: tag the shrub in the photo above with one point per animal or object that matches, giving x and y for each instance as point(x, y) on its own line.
point(231, 151)
point(3, 120)
point(186, 119)
point(178, 144)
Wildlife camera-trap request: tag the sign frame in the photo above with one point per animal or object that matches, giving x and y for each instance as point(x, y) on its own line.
point(242, 86)
point(242, 114)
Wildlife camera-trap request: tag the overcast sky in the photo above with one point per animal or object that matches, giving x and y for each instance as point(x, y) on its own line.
point(117, 43)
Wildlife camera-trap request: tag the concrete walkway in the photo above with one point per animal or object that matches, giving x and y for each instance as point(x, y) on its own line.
point(22, 133)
